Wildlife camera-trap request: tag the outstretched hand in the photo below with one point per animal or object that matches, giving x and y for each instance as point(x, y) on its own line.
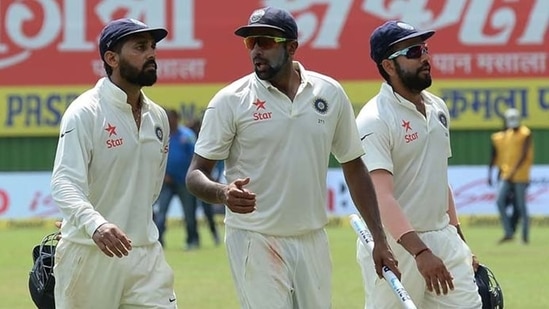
point(383, 256)
point(239, 199)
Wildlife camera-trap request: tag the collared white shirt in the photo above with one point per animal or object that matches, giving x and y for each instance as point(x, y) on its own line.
point(415, 149)
point(106, 170)
point(283, 146)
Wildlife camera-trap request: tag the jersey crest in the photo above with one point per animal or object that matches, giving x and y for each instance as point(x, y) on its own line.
point(442, 118)
point(159, 133)
point(320, 105)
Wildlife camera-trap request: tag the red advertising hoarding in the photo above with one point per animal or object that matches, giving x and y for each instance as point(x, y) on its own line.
point(47, 42)
point(486, 56)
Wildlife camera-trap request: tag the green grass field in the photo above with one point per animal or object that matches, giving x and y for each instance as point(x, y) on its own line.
point(203, 277)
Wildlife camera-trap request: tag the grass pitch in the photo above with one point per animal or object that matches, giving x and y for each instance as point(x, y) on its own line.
point(203, 278)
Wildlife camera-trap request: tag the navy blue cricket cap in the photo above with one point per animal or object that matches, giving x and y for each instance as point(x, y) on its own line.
point(389, 34)
point(270, 17)
point(120, 28)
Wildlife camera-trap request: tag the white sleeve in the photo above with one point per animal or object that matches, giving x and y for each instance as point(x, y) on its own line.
point(218, 127)
point(346, 144)
point(69, 182)
point(376, 140)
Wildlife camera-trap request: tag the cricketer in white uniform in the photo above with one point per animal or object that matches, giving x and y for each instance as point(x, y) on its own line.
point(281, 143)
point(288, 173)
point(296, 139)
point(109, 169)
point(412, 149)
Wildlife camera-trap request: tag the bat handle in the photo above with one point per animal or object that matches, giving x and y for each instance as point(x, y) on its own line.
point(364, 235)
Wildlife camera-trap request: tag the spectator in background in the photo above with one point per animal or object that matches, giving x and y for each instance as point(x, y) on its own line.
point(275, 129)
point(515, 156)
point(406, 136)
point(108, 170)
point(182, 140)
point(495, 160)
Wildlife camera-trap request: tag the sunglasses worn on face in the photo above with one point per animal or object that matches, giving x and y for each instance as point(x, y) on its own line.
point(411, 52)
point(263, 41)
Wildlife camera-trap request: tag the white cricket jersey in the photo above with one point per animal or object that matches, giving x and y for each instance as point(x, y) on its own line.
point(414, 148)
point(283, 146)
point(106, 170)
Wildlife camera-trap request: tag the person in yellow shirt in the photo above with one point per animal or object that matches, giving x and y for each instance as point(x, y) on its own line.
point(510, 203)
point(515, 157)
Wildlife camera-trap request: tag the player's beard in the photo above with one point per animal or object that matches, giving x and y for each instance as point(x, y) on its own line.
point(144, 77)
point(273, 69)
point(413, 80)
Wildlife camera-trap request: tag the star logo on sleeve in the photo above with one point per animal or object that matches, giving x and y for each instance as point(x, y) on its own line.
point(259, 104)
point(406, 125)
point(111, 129)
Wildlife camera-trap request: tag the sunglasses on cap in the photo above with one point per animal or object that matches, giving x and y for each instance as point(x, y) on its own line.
point(263, 41)
point(411, 52)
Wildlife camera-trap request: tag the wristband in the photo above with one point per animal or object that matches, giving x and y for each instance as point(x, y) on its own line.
point(421, 251)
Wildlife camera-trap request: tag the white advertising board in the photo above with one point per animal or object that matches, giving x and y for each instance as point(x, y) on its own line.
point(26, 195)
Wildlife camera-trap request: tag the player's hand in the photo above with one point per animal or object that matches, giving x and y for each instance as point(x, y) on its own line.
point(111, 240)
point(437, 277)
point(476, 263)
point(383, 256)
point(237, 198)
point(58, 226)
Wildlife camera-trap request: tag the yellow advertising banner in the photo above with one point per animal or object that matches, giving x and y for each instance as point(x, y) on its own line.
point(37, 111)
point(473, 104)
point(478, 104)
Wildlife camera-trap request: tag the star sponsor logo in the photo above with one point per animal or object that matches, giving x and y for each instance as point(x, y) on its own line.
point(113, 142)
point(260, 105)
point(409, 137)
point(111, 129)
point(406, 125)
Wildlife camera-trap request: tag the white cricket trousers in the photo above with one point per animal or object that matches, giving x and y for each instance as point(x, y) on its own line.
point(448, 246)
point(85, 278)
point(274, 272)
